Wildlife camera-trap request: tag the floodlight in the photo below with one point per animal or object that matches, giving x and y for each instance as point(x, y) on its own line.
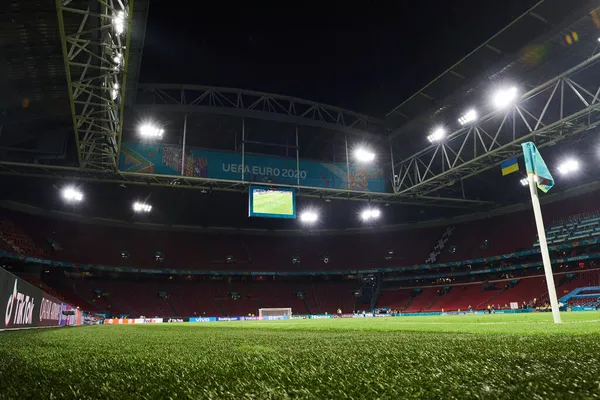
point(309, 217)
point(141, 207)
point(505, 97)
point(115, 91)
point(568, 166)
point(370, 214)
point(437, 135)
point(524, 181)
point(364, 155)
point(468, 117)
point(72, 194)
point(118, 58)
point(119, 22)
point(151, 131)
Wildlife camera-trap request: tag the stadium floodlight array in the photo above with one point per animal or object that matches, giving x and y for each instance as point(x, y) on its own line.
point(504, 97)
point(72, 194)
point(363, 155)
point(119, 22)
point(437, 135)
point(275, 312)
point(468, 117)
point(141, 207)
point(309, 217)
point(151, 131)
point(118, 58)
point(524, 182)
point(115, 91)
point(568, 166)
point(370, 214)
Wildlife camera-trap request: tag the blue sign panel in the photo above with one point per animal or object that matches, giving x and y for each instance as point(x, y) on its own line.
point(166, 160)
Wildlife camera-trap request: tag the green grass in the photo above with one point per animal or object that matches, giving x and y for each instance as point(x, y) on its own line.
point(497, 356)
point(279, 203)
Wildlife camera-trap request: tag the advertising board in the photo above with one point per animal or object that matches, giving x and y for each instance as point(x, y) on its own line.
point(203, 319)
point(23, 305)
point(171, 320)
point(166, 160)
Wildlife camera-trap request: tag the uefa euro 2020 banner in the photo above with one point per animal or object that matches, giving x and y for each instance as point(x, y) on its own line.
point(23, 305)
point(166, 160)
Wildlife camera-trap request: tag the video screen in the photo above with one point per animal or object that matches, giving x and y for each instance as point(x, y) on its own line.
point(272, 202)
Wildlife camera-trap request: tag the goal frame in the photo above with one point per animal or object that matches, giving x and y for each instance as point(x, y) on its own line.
point(270, 312)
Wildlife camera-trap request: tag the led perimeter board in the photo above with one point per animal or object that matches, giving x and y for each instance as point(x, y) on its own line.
point(272, 202)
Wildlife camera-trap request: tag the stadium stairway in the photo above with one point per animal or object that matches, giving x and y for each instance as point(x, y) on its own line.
point(306, 308)
point(526, 290)
point(408, 303)
point(221, 308)
point(434, 302)
point(439, 246)
point(173, 310)
point(394, 299)
point(490, 300)
point(422, 300)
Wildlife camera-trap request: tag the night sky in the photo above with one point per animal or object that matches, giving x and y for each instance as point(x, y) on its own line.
point(366, 58)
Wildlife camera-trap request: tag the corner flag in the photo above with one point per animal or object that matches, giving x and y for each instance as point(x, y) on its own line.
point(538, 175)
point(534, 164)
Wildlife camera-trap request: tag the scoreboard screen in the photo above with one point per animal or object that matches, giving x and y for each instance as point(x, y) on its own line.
point(272, 202)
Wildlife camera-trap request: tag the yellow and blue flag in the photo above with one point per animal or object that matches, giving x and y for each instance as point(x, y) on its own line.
point(534, 164)
point(509, 166)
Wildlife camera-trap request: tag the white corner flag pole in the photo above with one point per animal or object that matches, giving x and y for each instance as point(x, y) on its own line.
point(539, 222)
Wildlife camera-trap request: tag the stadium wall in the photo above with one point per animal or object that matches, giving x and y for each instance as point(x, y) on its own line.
point(25, 306)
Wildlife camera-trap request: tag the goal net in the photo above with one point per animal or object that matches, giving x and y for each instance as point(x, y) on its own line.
point(275, 312)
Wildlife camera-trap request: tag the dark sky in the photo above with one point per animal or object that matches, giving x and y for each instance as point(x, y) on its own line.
point(366, 58)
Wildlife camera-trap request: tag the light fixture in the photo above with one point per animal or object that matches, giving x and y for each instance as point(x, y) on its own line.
point(524, 181)
point(115, 91)
point(119, 22)
point(504, 97)
point(118, 58)
point(468, 117)
point(72, 194)
point(437, 135)
point(568, 166)
point(151, 131)
point(369, 214)
point(363, 155)
point(141, 207)
point(309, 217)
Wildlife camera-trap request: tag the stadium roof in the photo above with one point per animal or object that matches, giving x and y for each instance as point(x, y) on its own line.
point(535, 50)
point(530, 51)
point(35, 118)
point(534, 39)
point(36, 124)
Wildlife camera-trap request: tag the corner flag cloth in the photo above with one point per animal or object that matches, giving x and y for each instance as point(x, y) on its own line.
point(534, 163)
point(509, 166)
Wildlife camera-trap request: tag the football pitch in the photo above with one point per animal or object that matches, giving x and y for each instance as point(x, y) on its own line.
point(522, 356)
point(274, 202)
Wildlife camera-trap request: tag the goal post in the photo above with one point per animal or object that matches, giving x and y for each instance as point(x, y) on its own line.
point(275, 312)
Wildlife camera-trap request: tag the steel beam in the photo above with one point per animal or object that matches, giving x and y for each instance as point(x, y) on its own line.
point(564, 106)
point(84, 174)
point(95, 36)
point(251, 104)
